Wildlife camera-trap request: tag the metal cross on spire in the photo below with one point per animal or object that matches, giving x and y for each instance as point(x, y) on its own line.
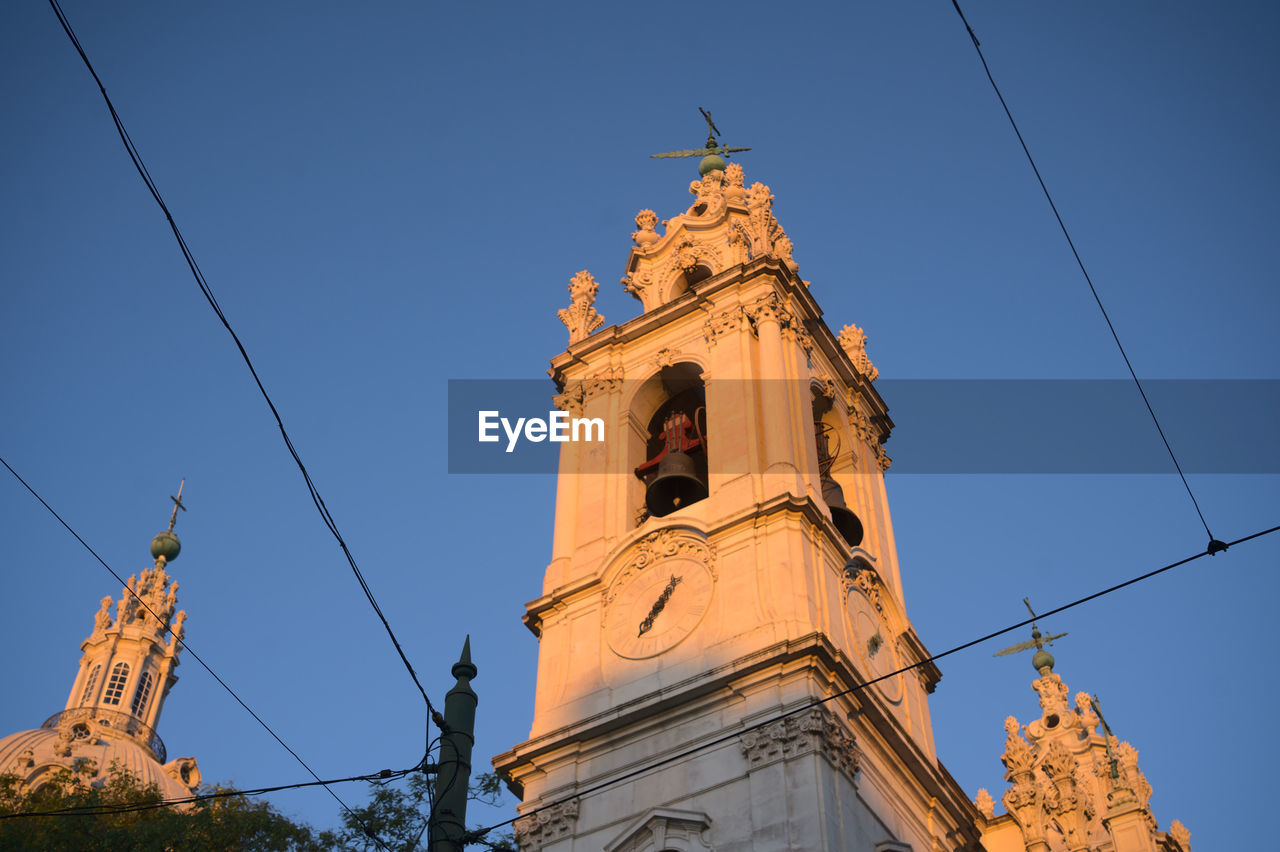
point(1038, 640)
point(1111, 758)
point(177, 504)
point(713, 144)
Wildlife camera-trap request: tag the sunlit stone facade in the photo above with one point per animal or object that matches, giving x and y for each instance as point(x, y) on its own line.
point(770, 583)
point(723, 614)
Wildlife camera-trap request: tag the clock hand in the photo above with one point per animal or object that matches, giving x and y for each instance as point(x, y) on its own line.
point(658, 606)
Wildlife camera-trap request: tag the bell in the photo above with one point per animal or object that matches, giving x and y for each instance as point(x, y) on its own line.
point(846, 522)
point(676, 485)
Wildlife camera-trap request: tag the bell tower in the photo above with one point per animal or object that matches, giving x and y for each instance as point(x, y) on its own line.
point(722, 562)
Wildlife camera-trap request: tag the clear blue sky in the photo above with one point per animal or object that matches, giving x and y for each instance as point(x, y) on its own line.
point(387, 196)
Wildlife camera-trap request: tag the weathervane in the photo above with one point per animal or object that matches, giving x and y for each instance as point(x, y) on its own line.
point(177, 504)
point(1038, 640)
point(713, 147)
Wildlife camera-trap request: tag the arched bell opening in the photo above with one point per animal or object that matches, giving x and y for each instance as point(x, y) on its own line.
point(827, 438)
point(669, 415)
point(687, 279)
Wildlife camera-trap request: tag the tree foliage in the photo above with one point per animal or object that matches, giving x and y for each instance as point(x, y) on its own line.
point(235, 823)
point(229, 824)
point(398, 816)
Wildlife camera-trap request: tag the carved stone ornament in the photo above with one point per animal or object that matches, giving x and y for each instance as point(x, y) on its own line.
point(1084, 712)
point(734, 191)
point(666, 357)
point(646, 220)
point(668, 543)
point(862, 576)
point(1181, 836)
point(547, 826)
point(1053, 694)
point(576, 394)
point(1067, 802)
point(692, 254)
point(102, 621)
point(767, 237)
point(813, 730)
point(861, 426)
point(580, 317)
point(768, 309)
point(722, 323)
point(853, 341)
point(984, 803)
point(665, 829)
point(1018, 757)
point(640, 285)
point(1023, 801)
point(710, 201)
point(882, 458)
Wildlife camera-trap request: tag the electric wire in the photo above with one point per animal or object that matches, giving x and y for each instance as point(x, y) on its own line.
point(180, 642)
point(1211, 551)
point(1079, 262)
point(213, 303)
point(107, 810)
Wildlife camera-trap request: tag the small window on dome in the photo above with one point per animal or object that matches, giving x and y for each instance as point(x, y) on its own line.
point(115, 686)
point(87, 696)
point(141, 694)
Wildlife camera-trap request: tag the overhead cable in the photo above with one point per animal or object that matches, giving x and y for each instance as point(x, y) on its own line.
point(1213, 542)
point(819, 702)
point(213, 303)
point(180, 642)
point(103, 810)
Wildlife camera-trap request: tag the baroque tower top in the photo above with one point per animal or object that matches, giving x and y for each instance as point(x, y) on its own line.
point(125, 674)
point(1072, 787)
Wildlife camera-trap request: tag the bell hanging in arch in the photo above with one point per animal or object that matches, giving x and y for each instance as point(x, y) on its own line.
point(846, 522)
point(676, 485)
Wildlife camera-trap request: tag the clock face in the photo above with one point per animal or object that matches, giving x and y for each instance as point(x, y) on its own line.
point(875, 646)
point(656, 608)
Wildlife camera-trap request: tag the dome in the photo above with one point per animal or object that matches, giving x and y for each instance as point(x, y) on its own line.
point(31, 755)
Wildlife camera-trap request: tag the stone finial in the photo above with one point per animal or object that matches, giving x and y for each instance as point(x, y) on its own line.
point(1179, 833)
point(646, 221)
point(734, 191)
point(853, 341)
point(1017, 755)
point(580, 317)
point(1084, 711)
point(985, 804)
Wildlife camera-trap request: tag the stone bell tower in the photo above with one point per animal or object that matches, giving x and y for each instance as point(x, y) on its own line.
point(725, 557)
